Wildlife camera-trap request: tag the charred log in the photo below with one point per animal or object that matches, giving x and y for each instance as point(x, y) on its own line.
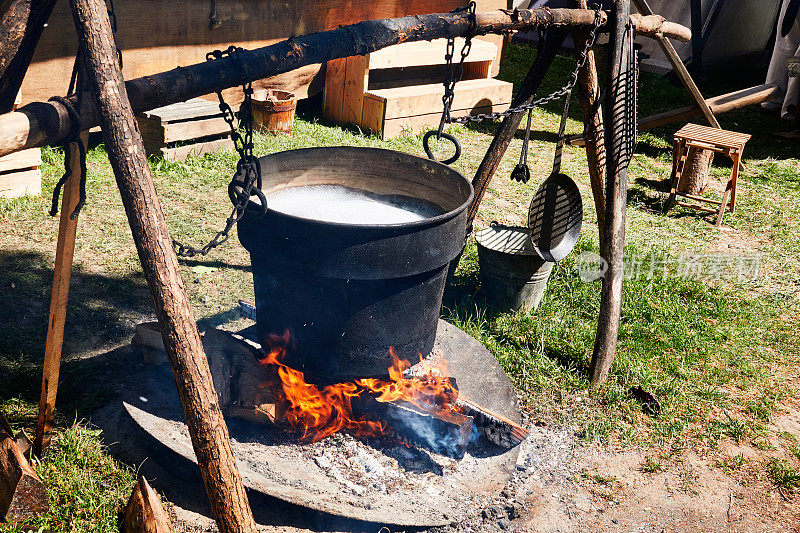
point(40, 123)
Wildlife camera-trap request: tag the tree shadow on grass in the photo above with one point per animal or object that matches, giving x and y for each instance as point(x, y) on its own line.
point(101, 313)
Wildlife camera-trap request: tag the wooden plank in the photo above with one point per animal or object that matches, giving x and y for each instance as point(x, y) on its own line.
point(62, 271)
point(421, 53)
point(717, 104)
point(180, 153)
point(30, 158)
point(372, 116)
point(193, 108)
point(21, 183)
point(355, 83)
point(155, 36)
point(423, 99)
point(397, 126)
point(334, 90)
point(158, 132)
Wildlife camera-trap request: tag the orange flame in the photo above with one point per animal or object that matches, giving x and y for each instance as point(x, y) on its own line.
point(319, 413)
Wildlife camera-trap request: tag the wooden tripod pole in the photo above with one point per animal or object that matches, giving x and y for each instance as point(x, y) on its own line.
point(62, 272)
point(588, 88)
point(207, 428)
point(617, 158)
point(502, 138)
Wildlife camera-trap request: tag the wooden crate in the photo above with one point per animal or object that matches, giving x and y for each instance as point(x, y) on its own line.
point(20, 174)
point(169, 131)
point(400, 88)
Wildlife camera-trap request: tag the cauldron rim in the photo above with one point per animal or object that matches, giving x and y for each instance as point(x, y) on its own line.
point(346, 225)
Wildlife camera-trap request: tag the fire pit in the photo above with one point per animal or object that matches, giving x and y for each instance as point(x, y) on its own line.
point(352, 256)
point(376, 479)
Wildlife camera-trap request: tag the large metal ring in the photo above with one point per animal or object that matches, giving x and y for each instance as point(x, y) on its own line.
point(426, 139)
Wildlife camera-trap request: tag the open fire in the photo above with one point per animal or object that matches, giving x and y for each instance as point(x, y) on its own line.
point(317, 413)
point(419, 405)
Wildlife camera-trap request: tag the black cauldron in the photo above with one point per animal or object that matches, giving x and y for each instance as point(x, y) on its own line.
point(347, 293)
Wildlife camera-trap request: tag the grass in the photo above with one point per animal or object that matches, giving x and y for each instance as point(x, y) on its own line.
point(86, 487)
point(784, 475)
point(720, 355)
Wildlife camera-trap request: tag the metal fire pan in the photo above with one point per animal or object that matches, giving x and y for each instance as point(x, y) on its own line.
point(447, 498)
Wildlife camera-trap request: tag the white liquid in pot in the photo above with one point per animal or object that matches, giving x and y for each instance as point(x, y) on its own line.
point(336, 203)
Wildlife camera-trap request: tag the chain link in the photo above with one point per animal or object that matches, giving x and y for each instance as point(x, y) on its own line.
point(562, 92)
point(248, 171)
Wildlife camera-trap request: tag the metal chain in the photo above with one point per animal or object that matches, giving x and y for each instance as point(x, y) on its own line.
point(246, 183)
point(564, 91)
point(451, 75)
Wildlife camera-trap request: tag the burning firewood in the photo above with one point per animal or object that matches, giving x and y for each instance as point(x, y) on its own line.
point(444, 432)
point(496, 428)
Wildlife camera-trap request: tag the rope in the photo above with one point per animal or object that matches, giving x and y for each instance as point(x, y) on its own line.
point(73, 137)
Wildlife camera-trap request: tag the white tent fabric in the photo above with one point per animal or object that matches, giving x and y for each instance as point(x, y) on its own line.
point(742, 27)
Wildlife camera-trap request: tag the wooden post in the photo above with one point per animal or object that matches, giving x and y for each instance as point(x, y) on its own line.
point(65, 248)
point(589, 95)
point(510, 124)
point(16, 49)
point(144, 513)
point(617, 158)
point(207, 428)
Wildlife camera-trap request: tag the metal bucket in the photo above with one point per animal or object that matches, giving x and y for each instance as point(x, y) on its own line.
point(513, 275)
point(349, 292)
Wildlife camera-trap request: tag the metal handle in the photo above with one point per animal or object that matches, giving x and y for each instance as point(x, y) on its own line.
point(441, 135)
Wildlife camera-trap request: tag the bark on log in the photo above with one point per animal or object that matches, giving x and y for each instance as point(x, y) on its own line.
point(38, 12)
point(588, 95)
point(605, 346)
point(40, 124)
point(22, 494)
point(144, 513)
point(508, 128)
point(201, 408)
point(694, 177)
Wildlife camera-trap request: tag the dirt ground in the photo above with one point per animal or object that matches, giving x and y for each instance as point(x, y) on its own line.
point(563, 486)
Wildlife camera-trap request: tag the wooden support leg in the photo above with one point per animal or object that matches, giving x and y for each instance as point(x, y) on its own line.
point(677, 152)
point(730, 191)
point(510, 124)
point(588, 94)
point(65, 249)
point(605, 346)
point(680, 69)
point(737, 157)
point(207, 428)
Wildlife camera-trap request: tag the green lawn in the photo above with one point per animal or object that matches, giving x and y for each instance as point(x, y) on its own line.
point(721, 356)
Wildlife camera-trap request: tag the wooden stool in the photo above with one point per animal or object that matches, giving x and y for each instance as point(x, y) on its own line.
point(729, 143)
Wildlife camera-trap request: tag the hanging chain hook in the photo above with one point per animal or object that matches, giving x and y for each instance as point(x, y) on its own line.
point(452, 74)
point(246, 183)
